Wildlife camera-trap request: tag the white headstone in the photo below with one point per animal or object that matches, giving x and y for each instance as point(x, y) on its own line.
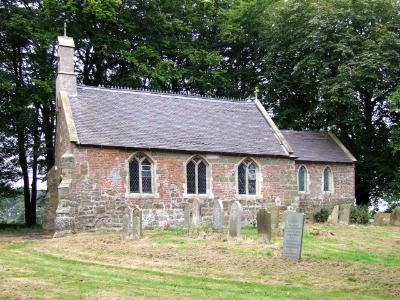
point(235, 219)
point(218, 216)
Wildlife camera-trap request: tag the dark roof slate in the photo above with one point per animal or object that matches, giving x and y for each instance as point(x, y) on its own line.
point(147, 120)
point(315, 146)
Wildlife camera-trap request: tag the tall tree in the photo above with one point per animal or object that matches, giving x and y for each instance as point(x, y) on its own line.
point(331, 65)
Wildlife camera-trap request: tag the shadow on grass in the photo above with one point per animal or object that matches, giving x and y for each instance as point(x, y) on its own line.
point(19, 228)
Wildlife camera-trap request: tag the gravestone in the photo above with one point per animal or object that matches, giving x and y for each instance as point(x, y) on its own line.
point(264, 225)
point(334, 216)
point(137, 232)
point(395, 217)
point(195, 212)
point(274, 210)
point(382, 219)
point(126, 225)
point(344, 214)
point(293, 237)
point(187, 214)
point(218, 216)
point(235, 219)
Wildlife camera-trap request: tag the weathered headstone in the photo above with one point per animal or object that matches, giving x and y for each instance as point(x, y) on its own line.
point(344, 214)
point(395, 217)
point(126, 225)
point(274, 210)
point(218, 216)
point(187, 214)
point(195, 212)
point(334, 216)
point(235, 219)
point(381, 219)
point(137, 232)
point(293, 237)
point(264, 225)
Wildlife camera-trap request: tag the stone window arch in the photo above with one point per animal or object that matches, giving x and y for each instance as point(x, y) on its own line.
point(141, 174)
point(327, 180)
point(302, 179)
point(247, 177)
point(196, 176)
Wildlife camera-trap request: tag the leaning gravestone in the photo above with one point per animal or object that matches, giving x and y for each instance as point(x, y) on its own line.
point(137, 231)
point(344, 214)
point(334, 216)
point(264, 225)
point(218, 216)
point(235, 219)
point(382, 219)
point(293, 237)
point(395, 217)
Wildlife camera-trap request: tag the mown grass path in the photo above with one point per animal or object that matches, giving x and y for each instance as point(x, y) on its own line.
point(342, 262)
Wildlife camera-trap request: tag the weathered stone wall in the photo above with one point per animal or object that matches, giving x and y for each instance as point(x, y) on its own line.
point(97, 187)
point(88, 187)
point(315, 198)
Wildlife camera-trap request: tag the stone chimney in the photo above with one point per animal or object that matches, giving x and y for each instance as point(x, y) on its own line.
point(66, 77)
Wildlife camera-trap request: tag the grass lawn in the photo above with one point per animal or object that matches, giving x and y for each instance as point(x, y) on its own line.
point(353, 262)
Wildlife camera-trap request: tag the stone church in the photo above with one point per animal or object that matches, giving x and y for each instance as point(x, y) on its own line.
point(120, 148)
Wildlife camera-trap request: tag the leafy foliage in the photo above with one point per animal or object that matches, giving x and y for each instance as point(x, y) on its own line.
point(360, 214)
point(322, 215)
point(318, 64)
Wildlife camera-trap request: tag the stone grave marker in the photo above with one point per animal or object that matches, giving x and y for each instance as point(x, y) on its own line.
point(235, 219)
point(264, 225)
point(334, 216)
point(187, 214)
point(137, 232)
point(195, 212)
point(274, 210)
point(218, 216)
point(126, 225)
point(344, 214)
point(293, 236)
point(395, 217)
point(381, 219)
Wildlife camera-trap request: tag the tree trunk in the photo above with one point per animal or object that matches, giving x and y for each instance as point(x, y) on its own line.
point(25, 175)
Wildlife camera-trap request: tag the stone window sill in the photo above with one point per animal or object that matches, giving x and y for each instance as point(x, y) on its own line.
point(142, 195)
point(248, 197)
point(198, 196)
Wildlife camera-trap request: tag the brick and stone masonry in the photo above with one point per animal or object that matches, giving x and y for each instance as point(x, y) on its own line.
point(88, 186)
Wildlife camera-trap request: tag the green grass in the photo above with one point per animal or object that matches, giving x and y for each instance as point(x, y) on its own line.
point(169, 265)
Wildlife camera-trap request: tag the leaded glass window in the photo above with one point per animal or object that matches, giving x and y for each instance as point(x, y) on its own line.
point(196, 176)
point(327, 179)
point(302, 179)
point(191, 177)
point(140, 175)
point(247, 177)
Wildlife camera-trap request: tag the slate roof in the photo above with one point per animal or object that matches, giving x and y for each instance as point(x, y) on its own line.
point(147, 120)
point(315, 146)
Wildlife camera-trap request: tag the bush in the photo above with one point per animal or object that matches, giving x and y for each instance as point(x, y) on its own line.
point(322, 215)
point(360, 214)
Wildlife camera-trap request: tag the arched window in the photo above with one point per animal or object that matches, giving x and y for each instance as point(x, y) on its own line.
point(247, 178)
point(302, 179)
point(196, 176)
point(328, 182)
point(140, 174)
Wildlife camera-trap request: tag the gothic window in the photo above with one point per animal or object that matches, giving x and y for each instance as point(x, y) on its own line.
point(302, 179)
point(140, 174)
point(247, 177)
point(327, 180)
point(196, 176)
